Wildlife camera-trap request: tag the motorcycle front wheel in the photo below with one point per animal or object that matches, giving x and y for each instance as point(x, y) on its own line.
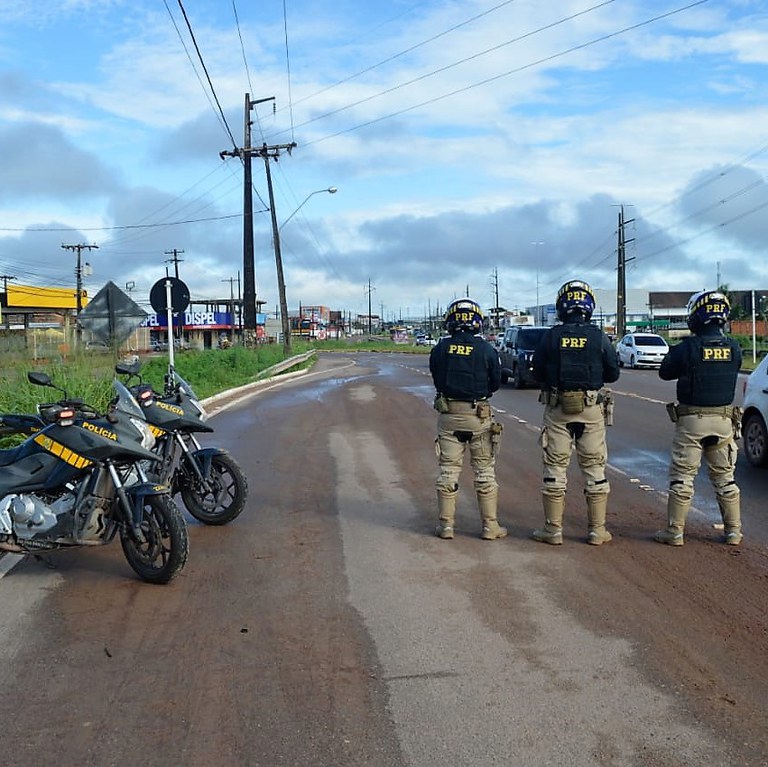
point(222, 497)
point(164, 552)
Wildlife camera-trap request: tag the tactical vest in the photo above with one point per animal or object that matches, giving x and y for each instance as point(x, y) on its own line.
point(461, 372)
point(576, 357)
point(710, 380)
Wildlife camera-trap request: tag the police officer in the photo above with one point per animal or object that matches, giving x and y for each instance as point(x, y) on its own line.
point(572, 363)
point(466, 371)
point(706, 366)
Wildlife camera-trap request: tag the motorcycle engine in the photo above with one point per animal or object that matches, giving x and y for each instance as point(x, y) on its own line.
point(29, 516)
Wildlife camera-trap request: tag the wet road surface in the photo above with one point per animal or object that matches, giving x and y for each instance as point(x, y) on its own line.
point(327, 626)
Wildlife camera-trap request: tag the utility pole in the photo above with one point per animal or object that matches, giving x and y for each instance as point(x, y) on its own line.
point(369, 307)
point(495, 286)
point(239, 309)
point(246, 152)
point(537, 244)
point(79, 278)
point(621, 288)
point(231, 281)
point(175, 259)
point(268, 153)
point(5, 278)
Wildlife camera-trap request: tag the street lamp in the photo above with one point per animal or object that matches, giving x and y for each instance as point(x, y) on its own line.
point(330, 190)
point(285, 321)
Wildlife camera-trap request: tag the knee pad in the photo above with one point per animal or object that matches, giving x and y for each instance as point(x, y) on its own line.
point(682, 489)
point(727, 490)
point(597, 487)
point(554, 487)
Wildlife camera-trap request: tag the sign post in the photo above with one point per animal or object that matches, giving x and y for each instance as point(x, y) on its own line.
point(169, 295)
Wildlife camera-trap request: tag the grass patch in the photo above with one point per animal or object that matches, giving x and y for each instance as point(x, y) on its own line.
point(89, 377)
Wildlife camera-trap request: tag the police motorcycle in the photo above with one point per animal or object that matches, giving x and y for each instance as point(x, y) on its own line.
point(212, 484)
point(77, 480)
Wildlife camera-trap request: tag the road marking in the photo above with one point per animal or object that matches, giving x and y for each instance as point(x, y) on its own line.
point(8, 561)
point(640, 396)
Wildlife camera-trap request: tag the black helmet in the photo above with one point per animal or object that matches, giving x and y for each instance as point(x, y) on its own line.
point(463, 314)
point(575, 297)
point(707, 307)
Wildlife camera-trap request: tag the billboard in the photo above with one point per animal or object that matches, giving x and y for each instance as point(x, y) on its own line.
point(34, 297)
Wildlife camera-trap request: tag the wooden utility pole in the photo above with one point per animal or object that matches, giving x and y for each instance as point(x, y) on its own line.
point(5, 278)
point(175, 260)
point(621, 274)
point(272, 153)
point(246, 152)
point(79, 278)
point(231, 281)
point(370, 330)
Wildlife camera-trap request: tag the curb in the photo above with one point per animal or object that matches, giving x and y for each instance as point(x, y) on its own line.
point(239, 393)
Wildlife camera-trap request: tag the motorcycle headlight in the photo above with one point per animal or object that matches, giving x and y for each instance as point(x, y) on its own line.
point(147, 437)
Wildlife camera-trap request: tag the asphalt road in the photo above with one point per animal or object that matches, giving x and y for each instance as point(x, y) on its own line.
point(328, 627)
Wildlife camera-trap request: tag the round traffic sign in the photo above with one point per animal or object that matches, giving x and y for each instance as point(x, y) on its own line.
point(158, 296)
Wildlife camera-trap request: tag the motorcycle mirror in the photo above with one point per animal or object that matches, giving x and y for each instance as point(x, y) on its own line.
point(128, 368)
point(38, 378)
point(43, 379)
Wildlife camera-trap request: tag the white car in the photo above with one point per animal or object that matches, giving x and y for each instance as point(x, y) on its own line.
point(753, 425)
point(641, 349)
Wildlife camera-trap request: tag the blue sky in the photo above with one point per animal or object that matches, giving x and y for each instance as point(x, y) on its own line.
point(458, 135)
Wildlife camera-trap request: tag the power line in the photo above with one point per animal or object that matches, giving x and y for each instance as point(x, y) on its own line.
point(126, 226)
point(412, 48)
point(207, 76)
point(488, 80)
point(242, 47)
point(194, 68)
point(288, 68)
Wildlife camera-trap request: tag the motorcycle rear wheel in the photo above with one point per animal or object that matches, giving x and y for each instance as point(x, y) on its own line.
point(164, 553)
point(222, 498)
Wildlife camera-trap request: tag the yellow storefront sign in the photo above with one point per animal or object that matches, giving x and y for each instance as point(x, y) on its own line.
point(34, 297)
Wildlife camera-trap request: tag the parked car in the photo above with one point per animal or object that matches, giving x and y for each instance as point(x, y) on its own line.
point(641, 350)
point(97, 347)
point(516, 354)
point(422, 339)
point(162, 346)
point(753, 425)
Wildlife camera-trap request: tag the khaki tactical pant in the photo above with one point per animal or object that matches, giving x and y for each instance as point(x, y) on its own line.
point(458, 432)
point(709, 436)
point(562, 432)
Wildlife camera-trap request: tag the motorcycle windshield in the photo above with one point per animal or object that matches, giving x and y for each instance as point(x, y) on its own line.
point(126, 402)
point(184, 385)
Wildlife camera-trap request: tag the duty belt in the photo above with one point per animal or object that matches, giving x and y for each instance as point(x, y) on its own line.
point(462, 406)
point(724, 410)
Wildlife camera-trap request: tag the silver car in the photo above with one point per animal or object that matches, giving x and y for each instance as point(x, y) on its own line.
point(641, 350)
point(754, 432)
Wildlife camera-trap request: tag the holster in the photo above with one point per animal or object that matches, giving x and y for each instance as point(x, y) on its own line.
point(736, 415)
point(605, 400)
point(496, 430)
point(672, 411)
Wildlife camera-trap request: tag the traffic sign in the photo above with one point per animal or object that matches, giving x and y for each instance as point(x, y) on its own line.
point(158, 296)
